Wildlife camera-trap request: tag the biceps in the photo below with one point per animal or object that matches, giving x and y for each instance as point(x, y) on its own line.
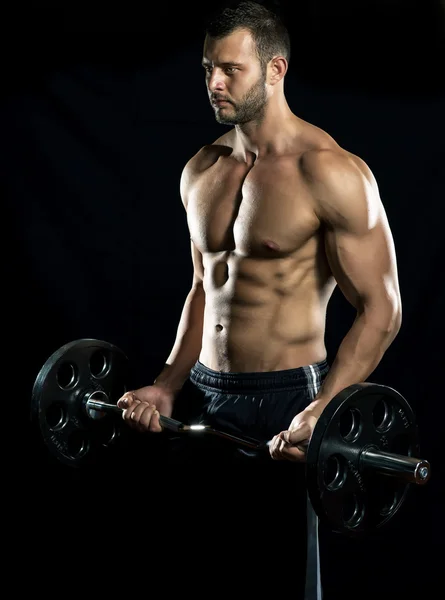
point(364, 265)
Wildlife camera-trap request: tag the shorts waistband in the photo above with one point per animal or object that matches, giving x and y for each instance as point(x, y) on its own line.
point(265, 381)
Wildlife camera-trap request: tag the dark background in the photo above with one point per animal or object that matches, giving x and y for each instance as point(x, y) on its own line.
point(100, 110)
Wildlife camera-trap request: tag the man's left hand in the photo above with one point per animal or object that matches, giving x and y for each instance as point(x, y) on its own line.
point(291, 444)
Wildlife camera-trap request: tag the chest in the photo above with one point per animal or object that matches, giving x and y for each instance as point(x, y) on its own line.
point(252, 210)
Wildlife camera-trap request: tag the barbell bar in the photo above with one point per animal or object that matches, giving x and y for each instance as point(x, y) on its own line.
point(412, 470)
point(360, 461)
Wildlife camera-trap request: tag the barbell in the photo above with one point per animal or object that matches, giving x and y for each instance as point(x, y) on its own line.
point(360, 461)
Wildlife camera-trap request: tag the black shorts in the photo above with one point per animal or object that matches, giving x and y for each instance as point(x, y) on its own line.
point(238, 489)
point(258, 405)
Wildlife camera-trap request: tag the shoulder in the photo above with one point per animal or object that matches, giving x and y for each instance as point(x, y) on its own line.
point(333, 166)
point(328, 167)
point(208, 154)
point(324, 161)
point(342, 186)
point(202, 160)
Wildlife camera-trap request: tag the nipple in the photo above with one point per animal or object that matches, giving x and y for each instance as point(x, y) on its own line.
point(272, 245)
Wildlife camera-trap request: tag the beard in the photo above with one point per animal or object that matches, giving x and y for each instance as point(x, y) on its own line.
point(250, 108)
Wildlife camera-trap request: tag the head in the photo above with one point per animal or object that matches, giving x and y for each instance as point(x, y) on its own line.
point(246, 54)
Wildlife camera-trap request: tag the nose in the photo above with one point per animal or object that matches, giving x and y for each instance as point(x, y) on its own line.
point(216, 82)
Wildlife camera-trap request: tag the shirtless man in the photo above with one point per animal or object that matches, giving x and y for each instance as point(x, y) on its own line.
point(278, 214)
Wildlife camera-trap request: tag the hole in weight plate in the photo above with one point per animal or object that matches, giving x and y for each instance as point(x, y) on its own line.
point(67, 376)
point(77, 444)
point(353, 511)
point(382, 416)
point(100, 363)
point(334, 473)
point(108, 433)
point(350, 424)
point(55, 416)
point(388, 496)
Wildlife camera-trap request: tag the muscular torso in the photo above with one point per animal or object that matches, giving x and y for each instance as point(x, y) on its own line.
point(267, 280)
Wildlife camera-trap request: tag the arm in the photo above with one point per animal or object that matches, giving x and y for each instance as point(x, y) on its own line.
point(360, 250)
point(187, 345)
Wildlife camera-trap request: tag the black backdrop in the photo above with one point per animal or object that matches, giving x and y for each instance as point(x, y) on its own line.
point(98, 117)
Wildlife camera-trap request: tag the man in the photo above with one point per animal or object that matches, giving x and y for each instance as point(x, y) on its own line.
point(278, 214)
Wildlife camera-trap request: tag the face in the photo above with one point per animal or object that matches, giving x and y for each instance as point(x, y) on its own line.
point(235, 82)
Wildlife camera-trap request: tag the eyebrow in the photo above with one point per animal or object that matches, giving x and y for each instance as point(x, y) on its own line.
point(224, 64)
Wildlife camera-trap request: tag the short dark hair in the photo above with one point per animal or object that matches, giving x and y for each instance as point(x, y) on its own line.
point(268, 31)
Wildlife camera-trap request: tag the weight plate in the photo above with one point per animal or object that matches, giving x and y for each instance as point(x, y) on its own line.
point(349, 498)
point(79, 368)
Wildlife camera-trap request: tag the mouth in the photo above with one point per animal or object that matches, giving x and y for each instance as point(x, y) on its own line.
point(220, 102)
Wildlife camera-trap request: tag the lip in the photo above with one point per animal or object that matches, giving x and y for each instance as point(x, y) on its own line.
point(220, 102)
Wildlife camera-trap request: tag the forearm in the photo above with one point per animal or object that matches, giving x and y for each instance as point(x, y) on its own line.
point(360, 352)
point(187, 345)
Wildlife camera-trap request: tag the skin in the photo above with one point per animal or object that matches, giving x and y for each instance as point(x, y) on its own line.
point(279, 215)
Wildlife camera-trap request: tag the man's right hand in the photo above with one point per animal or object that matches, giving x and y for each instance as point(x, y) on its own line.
point(142, 407)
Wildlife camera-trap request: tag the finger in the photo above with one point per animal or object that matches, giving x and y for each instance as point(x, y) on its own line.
point(281, 450)
point(281, 447)
point(126, 400)
point(271, 445)
point(137, 418)
point(155, 423)
point(274, 448)
point(300, 448)
point(127, 413)
point(299, 436)
point(293, 454)
point(146, 417)
point(130, 414)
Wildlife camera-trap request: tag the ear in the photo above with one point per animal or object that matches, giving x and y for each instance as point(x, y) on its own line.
point(277, 69)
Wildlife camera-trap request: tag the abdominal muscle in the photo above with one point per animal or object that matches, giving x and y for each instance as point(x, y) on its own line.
point(263, 315)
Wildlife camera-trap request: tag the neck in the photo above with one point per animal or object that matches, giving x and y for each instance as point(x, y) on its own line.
point(268, 135)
